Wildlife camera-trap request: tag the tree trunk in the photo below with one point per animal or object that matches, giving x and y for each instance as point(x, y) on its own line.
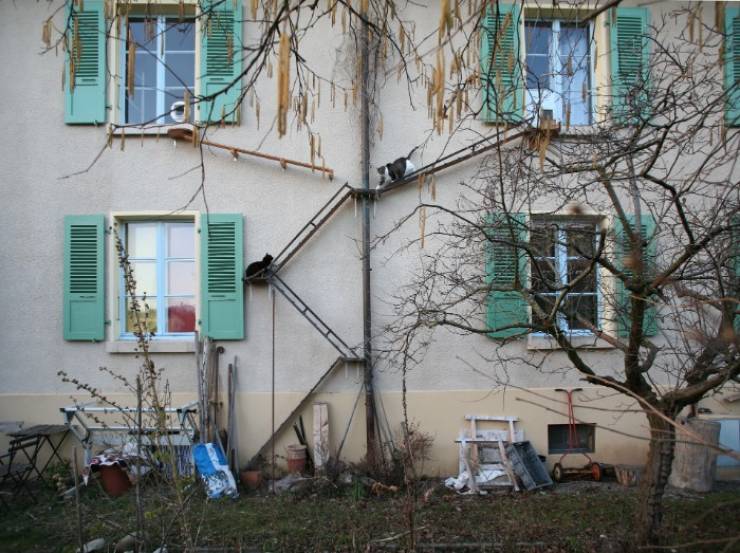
point(654, 480)
point(694, 465)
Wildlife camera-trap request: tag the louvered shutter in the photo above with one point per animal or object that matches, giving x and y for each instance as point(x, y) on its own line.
point(222, 265)
point(221, 61)
point(506, 268)
point(500, 64)
point(736, 252)
point(732, 65)
point(630, 64)
point(84, 279)
point(623, 261)
point(85, 75)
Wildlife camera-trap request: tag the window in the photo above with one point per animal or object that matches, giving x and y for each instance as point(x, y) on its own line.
point(162, 256)
point(160, 52)
point(549, 72)
point(582, 442)
point(558, 71)
point(562, 251)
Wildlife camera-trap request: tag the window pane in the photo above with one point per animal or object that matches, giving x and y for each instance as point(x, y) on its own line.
point(538, 72)
point(581, 241)
point(145, 274)
point(583, 306)
point(144, 33)
point(179, 35)
point(181, 277)
point(142, 107)
point(546, 303)
point(180, 315)
point(141, 239)
point(180, 70)
point(544, 277)
point(542, 240)
point(180, 240)
point(147, 315)
point(577, 267)
point(145, 70)
point(538, 38)
point(574, 58)
point(537, 45)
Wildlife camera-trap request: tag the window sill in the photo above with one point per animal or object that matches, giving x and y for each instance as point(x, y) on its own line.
point(155, 346)
point(585, 341)
point(148, 130)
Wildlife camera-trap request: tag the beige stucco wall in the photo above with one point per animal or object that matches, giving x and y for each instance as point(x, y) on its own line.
point(151, 174)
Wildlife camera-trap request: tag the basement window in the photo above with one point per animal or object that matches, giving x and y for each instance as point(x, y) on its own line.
point(557, 438)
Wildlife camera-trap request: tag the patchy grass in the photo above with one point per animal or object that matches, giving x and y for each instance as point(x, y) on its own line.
point(579, 519)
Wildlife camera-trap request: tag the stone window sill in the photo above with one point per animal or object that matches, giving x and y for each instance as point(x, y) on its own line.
point(586, 341)
point(156, 346)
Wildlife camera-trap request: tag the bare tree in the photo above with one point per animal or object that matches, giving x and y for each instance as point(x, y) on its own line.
point(625, 236)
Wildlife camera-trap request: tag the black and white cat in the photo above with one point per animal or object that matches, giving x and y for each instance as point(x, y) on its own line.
point(258, 268)
point(397, 170)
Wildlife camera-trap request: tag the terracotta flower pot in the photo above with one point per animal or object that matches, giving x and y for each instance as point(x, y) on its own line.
point(115, 480)
point(251, 478)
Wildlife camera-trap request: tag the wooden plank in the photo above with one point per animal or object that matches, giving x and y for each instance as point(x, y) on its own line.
point(507, 465)
point(320, 437)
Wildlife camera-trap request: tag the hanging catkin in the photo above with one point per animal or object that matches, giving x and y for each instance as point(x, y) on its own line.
point(283, 89)
point(131, 62)
point(255, 5)
point(433, 188)
point(380, 127)
point(46, 33)
point(304, 107)
point(444, 17)
point(186, 108)
point(257, 113)
point(422, 225)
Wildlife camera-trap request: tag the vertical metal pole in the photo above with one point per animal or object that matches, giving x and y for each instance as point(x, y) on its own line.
point(367, 320)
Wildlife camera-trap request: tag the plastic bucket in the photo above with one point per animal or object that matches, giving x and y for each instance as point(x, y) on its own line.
point(296, 458)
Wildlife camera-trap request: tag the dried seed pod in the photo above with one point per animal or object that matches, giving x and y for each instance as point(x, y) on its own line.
point(283, 86)
point(186, 101)
point(46, 33)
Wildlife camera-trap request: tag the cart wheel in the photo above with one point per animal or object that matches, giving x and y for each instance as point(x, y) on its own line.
point(557, 472)
point(597, 472)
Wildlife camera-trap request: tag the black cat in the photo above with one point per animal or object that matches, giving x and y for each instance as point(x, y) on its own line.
point(258, 268)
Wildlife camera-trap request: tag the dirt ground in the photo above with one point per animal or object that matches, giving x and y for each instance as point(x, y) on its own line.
point(572, 517)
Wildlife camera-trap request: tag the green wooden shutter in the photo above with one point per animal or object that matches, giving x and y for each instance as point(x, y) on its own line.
point(623, 253)
point(732, 65)
point(630, 63)
point(221, 61)
point(501, 65)
point(222, 265)
point(84, 278)
point(85, 75)
point(506, 267)
point(736, 252)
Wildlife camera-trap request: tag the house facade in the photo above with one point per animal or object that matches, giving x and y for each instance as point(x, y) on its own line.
point(91, 160)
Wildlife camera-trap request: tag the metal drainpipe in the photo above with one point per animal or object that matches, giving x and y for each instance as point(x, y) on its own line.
point(366, 315)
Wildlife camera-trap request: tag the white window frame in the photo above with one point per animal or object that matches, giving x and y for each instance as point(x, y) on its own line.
point(561, 266)
point(121, 341)
point(117, 60)
point(555, 102)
